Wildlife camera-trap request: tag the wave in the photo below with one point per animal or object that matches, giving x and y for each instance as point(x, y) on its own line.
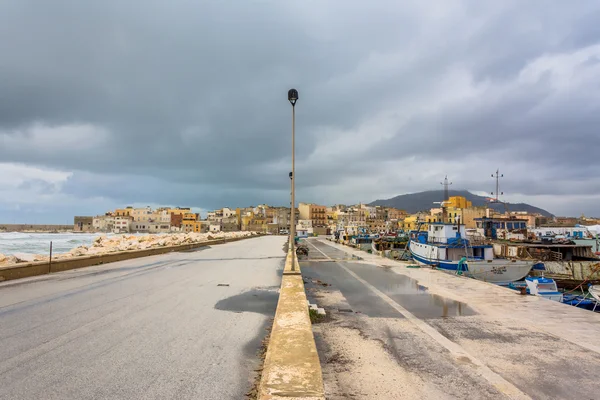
point(14, 235)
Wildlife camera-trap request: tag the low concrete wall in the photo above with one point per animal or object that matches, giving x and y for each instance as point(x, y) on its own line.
point(25, 270)
point(291, 369)
point(33, 227)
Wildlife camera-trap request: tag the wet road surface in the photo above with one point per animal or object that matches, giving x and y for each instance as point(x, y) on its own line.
point(386, 336)
point(182, 325)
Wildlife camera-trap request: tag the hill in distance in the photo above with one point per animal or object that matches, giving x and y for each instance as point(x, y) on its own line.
point(423, 201)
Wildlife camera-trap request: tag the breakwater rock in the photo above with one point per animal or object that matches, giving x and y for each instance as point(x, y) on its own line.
point(113, 244)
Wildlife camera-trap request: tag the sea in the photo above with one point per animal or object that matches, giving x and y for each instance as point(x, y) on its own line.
point(20, 243)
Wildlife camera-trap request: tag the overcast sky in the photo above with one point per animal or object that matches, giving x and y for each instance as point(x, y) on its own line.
point(112, 103)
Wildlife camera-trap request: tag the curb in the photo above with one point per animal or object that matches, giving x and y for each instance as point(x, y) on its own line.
point(291, 369)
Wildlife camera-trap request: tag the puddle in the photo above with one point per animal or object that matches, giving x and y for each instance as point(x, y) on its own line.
point(409, 294)
point(261, 301)
point(402, 289)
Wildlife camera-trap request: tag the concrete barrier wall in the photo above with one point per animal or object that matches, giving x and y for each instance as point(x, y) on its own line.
point(31, 227)
point(25, 270)
point(291, 369)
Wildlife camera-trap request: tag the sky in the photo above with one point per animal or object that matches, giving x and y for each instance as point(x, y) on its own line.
point(105, 104)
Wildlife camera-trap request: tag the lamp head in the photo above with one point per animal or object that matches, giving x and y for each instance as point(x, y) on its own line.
point(293, 96)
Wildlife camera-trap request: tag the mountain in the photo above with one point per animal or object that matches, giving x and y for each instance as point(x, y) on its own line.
point(423, 201)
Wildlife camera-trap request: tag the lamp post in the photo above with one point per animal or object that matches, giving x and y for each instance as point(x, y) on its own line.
point(293, 97)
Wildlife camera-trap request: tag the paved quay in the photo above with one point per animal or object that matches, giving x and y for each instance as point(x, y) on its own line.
point(183, 325)
point(396, 332)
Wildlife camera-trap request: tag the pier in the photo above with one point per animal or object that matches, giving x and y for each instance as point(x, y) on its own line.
point(398, 332)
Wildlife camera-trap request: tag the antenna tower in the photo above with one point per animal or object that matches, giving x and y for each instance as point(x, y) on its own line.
point(497, 175)
point(446, 184)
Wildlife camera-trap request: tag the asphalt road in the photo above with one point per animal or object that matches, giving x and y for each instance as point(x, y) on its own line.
point(182, 325)
point(386, 336)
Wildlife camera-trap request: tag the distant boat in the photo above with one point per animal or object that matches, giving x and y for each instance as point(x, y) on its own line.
point(389, 245)
point(363, 241)
point(543, 287)
point(548, 289)
point(446, 247)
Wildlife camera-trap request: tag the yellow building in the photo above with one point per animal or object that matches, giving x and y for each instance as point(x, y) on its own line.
point(123, 212)
point(313, 212)
point(257, 223)
point(458, 202)
point(190, 216)
point(179, 210)
point(410, 223)
point(191, 226)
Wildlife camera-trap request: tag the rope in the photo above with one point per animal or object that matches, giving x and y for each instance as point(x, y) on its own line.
point(596, 269)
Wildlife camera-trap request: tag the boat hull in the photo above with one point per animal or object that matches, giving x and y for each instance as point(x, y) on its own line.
point(499, 271)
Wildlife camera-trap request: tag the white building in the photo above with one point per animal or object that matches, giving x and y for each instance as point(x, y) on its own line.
point(227, 212)
point(103, 223)
point(304, 227)
point(122, 224)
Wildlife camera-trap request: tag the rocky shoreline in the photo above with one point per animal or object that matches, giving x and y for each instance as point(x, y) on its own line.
point(113, 244)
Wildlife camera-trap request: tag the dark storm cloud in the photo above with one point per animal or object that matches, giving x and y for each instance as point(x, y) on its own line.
point(184, 102)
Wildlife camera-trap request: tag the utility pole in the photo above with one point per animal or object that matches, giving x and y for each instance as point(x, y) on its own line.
point(446, 184)
point(497, 175)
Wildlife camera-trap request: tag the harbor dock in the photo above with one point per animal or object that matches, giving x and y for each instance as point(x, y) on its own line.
point(395, 331)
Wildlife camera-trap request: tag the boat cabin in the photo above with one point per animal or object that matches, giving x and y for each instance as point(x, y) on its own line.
point(445, 233)
point(450, 242)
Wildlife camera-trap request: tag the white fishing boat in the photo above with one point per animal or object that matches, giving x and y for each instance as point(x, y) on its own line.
point(446, 247)
point(543, 287)
point(594, 291)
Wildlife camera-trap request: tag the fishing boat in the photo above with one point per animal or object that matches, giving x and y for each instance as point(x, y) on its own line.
point(547, 288)
point(446, 247)
point(363, 241)
point(389, 244)
point(543, 287)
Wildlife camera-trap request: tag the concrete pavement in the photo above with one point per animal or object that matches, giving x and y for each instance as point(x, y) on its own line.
point(395, 332)
point(175, 326)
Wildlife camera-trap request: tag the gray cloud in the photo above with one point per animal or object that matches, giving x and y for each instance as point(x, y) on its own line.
point(184, 102)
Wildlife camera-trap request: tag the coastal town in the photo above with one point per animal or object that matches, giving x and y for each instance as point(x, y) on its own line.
point(312, 219)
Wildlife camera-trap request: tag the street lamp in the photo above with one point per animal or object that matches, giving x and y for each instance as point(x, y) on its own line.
point(293, 97)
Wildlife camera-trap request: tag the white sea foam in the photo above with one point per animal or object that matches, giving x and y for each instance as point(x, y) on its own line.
point(19, 244)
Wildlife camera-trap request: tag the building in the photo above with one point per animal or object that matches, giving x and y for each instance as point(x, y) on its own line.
point(123, 224)
point(141, 214)
point(190, 216)
point(104, 223)
point(83, 224)
point(304, 228)
point(230, 223)
point(316, 214)
point(281, 216)
point(255, 223)
point(179, 210)
point(123, 212)
point(505, 228)
point(176, 220)
point(394, 214)
point(191, 226)
point(458, 202)
point(566, 221)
